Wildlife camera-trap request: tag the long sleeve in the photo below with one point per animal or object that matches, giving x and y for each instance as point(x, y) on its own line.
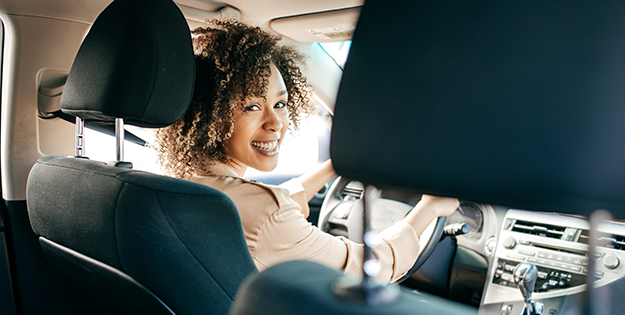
point(286, 235)
point(276, 231)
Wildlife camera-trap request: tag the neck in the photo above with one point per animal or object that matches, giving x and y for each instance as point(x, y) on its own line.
point(237, 167)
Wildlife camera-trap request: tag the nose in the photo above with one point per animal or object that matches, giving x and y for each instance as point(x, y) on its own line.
point(273, 121)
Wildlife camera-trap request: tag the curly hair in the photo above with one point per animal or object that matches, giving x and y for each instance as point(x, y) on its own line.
point(230, 58)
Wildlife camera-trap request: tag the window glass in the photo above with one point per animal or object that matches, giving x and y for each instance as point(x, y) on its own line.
point(101, 147)
point(338, 51)
point(300, 151)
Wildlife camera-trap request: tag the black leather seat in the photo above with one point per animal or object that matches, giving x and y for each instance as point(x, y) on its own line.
point(125, 241)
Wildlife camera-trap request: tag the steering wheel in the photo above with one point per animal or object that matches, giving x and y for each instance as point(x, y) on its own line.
point(342, 210)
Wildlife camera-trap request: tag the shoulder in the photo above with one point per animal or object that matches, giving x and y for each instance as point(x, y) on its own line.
point(246, 193)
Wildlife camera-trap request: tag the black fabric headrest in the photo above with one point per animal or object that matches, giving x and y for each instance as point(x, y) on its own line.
point(511, 103)
point(136, 63)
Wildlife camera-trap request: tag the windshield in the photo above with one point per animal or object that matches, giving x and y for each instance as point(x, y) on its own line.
point(338, 51)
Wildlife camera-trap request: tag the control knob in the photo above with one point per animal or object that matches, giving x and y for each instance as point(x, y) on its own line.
point(611, 261)
point(509, 242)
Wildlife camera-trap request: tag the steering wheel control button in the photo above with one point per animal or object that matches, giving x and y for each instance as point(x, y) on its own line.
point(611, 262)
point(342, 211)
point(509, 243)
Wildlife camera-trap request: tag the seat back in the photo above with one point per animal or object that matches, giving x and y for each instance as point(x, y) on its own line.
point(181, 240)
point(98, 288)
point(510, 104)
point(110, 230)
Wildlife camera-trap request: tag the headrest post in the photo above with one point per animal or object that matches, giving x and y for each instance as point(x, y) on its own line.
point(80, 137)
point(119, 145)
point(119, 139)
point(369, 290)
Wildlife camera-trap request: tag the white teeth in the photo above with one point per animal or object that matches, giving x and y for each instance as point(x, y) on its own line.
point(266, 146)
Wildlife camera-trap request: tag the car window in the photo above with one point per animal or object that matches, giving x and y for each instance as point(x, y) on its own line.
point(301, 150)
point(101, 147)
point(338, 51)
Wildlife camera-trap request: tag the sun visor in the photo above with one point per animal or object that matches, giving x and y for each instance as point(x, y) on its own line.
point(330, 26)
point(519, 104)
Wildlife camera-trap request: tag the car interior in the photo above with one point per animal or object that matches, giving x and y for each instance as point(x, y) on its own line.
point(513, 108)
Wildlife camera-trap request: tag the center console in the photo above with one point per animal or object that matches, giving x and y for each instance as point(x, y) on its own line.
point(558, 246)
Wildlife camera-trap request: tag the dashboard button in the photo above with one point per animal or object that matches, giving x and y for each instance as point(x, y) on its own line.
point(575, 268)
point(506, 277)
point(490, 245)
point(611, 261)
point(509, 242)
point(527, 253)
point(517, 257)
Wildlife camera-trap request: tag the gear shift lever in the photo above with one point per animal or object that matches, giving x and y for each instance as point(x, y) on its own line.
point(525, 275)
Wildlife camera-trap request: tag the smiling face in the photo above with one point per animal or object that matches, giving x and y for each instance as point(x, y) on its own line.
point(259, 128)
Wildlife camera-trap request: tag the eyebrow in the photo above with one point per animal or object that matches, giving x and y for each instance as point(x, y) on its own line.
point(282, 92)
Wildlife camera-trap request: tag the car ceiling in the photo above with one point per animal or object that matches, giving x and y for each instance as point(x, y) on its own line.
point(253, 12)
point(294, 17)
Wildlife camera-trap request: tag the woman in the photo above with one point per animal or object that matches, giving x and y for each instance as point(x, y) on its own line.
point(249, 91)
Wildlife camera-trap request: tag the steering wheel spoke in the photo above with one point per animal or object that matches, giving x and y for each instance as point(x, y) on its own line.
point(342, 215)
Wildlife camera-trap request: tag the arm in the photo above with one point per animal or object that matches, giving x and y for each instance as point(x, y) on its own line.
point(312, 182)
point(428, 209)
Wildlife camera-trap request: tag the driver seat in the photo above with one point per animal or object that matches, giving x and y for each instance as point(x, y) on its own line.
point(125, 241)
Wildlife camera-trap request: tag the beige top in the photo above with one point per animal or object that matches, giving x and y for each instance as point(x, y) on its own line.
point(276, 231)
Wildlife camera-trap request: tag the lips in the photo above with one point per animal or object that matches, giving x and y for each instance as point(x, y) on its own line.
point(266, 147)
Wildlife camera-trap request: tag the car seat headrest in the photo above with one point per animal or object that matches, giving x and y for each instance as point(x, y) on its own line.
point(518, 104)
point(136, 63)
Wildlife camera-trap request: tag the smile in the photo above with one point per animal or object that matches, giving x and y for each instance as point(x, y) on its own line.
point(267, 147)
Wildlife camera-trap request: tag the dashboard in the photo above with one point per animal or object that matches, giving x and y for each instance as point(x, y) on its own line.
point(476, 268)
point(558, 245)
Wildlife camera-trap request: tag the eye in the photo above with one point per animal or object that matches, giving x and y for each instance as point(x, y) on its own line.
point(280, 105)
point(251, 108)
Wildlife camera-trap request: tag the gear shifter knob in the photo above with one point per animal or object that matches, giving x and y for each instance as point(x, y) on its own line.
point(525, 275)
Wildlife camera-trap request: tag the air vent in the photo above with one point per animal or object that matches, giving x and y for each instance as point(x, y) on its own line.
point(540, 229)
point(584, 237)
point(604, 240)
point(353, 190)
